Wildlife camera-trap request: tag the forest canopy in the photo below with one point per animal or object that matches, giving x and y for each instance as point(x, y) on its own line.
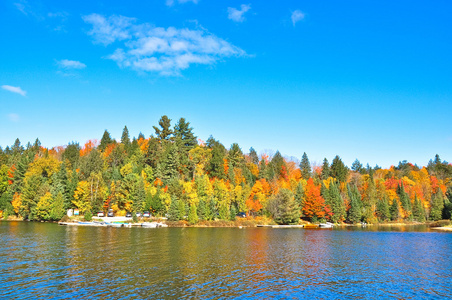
point(174, 174)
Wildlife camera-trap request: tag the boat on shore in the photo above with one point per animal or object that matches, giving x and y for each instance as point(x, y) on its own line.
point(326, 225)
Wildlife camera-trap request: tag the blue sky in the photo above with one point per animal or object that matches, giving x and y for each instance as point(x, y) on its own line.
point(362, 79)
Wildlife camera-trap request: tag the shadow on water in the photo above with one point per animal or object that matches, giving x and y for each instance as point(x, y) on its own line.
point(79, 262)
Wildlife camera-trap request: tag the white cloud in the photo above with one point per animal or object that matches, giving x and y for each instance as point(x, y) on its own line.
point(70, 64)
point(166, 51)
point(13, 117)
point(297, 16)
point(14, 89)
point(237, 15)
point(171, 2)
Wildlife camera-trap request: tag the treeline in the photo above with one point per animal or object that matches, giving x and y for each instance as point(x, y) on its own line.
point(174, 174)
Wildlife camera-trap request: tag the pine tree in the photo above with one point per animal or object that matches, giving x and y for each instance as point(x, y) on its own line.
point(284, 208)
point(404, 199)
point(325, 169)
point(125, 138)
point(382, 209)
point(337, 203)
point(105, 141)
point(395, 210)
point(174, 213)
point(437, 206)
point(192, 215)
point(164, 133)
point(357, 166)
point(305, 167)
point(253, 156)
point(354, 213)
point(339, 170)
point(168, 168)
point(418, 210)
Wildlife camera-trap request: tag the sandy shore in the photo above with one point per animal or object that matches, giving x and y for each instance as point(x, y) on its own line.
point(443, 228)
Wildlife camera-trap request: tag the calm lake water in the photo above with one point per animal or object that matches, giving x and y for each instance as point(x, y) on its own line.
point(41, 260)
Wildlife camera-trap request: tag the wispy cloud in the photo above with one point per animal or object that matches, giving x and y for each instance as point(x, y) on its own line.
point(70, 64)
point(14, 89)
point(236, 15)
point(166, 51)
point(54, 20)
point(297, 16)
point(171, 2)
point(13, 117)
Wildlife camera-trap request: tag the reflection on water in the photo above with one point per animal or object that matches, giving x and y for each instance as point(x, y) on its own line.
point(51, 261)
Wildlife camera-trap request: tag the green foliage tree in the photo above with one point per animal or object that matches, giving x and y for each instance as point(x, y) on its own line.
point(382, 209)
point(164, 133)
point(284, 208)
point(105, 140)
point(325, 170)
point(339, 170)
point(192, 215)
point(437, 206)
point(354, 213)
point(305, 166)
point(395, 210)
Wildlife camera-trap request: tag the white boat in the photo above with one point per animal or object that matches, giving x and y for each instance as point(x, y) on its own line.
point(326, 225)
point(149, 224)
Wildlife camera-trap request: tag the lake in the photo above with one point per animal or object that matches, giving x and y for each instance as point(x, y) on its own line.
point(43, 260)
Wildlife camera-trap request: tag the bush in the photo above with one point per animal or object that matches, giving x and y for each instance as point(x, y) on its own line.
point(88, 216)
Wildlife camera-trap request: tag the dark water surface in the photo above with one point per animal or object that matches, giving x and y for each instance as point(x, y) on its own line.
point(41, 260)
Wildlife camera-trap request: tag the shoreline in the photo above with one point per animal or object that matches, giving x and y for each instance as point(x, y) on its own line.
point(443, 225)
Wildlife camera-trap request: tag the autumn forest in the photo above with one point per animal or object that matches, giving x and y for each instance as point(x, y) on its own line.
point(174, 174)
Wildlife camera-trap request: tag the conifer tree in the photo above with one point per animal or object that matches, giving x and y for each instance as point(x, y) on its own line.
point(284, 208)
point(354, 213)
point(395, 210)
point(418, 210)
point(404, 199)
point(305, 166)
point(192, 215)
point(337, 203)
point(339, 170)
point(105, 141)
point(325, 170)
point(125, 138)
point(437, 206)
point(382, 209)
point(253, 156)
point(164, 133)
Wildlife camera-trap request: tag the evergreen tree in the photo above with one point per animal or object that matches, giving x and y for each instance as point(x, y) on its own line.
point(354, 213)
point(215, 167)
point(202, 209)
point(325, 169)
point(276, 167)
point(105, 141)
point(233, 213)
point(357, 166)
point(164, 133)
point(17, 148)
point(336, 203)
point(174, 213)
point(235, 155)
point(305, 166)
point(299, 197)
point(437, 206)
point(395, 210)
point(404, 199)
point(192, 215)
point(283, 207)
point(339, 170)
point(140, 136)
point(168, 168)
point(253, 156)
point(72, 154)
point(125, 138)
point(382, 209)
point(447, 211)
point(418, 210)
